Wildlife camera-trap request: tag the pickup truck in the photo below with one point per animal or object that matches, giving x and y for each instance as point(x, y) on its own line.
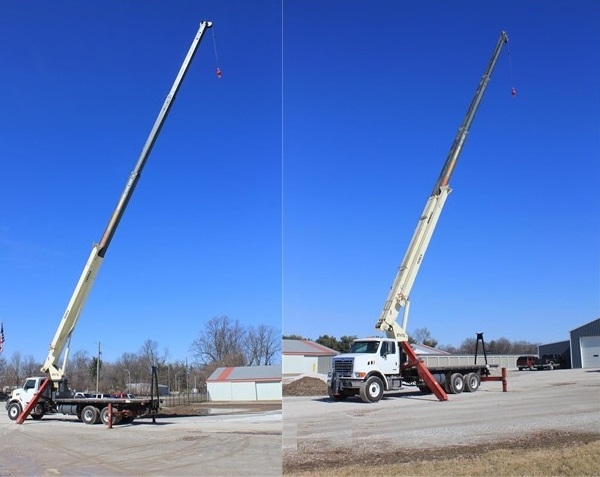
point(527, 362)
point(548, 361)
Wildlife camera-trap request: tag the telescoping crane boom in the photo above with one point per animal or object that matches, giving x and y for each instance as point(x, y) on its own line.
point(398, 297)
point(82, 289)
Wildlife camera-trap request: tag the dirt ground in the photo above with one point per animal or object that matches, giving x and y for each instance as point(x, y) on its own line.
point(215, 409)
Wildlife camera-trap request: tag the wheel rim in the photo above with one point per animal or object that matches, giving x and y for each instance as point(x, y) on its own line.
point(374, 389)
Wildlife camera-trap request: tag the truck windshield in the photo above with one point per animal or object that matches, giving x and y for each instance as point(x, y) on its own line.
point(368, 347)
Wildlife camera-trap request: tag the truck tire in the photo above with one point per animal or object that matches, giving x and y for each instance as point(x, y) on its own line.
point(14, 411)
point(424, 389)
point(371, 390)
point(90, 415)
point(36, 417)
point(472, 382)
point(456, 384)
point(104, 416)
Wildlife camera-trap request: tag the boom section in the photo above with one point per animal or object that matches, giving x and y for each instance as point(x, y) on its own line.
point(88, 276)
point(398, 297)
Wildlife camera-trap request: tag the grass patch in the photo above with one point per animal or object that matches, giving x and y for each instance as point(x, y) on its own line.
point(548, 454)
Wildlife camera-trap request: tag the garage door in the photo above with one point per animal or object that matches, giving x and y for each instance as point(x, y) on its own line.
point(590, 351)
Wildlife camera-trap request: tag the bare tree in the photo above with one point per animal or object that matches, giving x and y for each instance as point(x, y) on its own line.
point(150, 354)
point(263, 344)
point(222, 342)
point(423, 336)
point(15, 368)
point(79, 365)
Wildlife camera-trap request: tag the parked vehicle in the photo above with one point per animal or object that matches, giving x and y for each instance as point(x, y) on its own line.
point(548, 361)
point(527, 362)
point(82, 395)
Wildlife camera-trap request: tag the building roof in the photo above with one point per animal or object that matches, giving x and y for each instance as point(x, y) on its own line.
point(593, 325)
point(422, 349)
point(246, 373)
point(306, 348)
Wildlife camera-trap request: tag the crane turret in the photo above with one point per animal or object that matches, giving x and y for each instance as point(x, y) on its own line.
point(398, 297)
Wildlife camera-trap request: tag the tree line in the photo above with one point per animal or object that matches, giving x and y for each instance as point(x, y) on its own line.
point(222, 342)
point(423, 336)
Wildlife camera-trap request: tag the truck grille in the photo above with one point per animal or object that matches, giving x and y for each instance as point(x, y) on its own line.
point(343, 366)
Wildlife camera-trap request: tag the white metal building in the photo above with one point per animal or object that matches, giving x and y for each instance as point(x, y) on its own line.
point(245, 383)
point(585, 345)
point(306, 357)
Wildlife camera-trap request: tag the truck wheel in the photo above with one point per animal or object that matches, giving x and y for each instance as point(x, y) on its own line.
point(456, 384)
point(36, 417)
point(424, 389)
point(14, 411)
point(371, 390)
point(472, 382)
point(90, 415)
point(104, 416)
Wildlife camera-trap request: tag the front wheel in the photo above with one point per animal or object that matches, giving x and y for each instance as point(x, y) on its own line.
point(14, 411)
point(371, 390)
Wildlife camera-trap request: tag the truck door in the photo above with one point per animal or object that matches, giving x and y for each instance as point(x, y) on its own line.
point(388, 358)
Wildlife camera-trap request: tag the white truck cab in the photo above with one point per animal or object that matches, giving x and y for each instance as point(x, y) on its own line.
point(371, 367)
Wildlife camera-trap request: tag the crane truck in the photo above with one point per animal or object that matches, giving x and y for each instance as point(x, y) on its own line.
point(376, 365)
point(42, 395)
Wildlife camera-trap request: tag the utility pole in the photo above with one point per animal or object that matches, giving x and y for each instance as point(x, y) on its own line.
point(98, 367)
point(187, 377)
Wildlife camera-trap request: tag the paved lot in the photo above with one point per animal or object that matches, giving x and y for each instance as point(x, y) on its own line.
point(536, 401)
point(221, 445)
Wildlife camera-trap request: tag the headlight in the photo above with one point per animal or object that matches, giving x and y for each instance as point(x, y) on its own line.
point(360, 375)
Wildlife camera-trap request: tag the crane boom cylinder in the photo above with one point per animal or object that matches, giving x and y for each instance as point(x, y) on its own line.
point(86, 280)
point(398, 296)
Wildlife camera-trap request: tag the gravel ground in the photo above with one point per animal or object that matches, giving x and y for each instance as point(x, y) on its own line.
point(216, 440)
point(559, 404)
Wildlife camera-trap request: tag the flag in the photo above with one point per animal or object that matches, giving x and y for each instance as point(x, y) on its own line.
point(1, 337)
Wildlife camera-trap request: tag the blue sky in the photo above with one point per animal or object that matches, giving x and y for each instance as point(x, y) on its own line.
point(374, 93)
point(83, 83)
point(289, 189)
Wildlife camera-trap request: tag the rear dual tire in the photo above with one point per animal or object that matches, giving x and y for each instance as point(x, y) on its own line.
point(90, 415)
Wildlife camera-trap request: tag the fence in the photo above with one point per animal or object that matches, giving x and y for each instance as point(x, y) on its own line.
point(182, 399)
